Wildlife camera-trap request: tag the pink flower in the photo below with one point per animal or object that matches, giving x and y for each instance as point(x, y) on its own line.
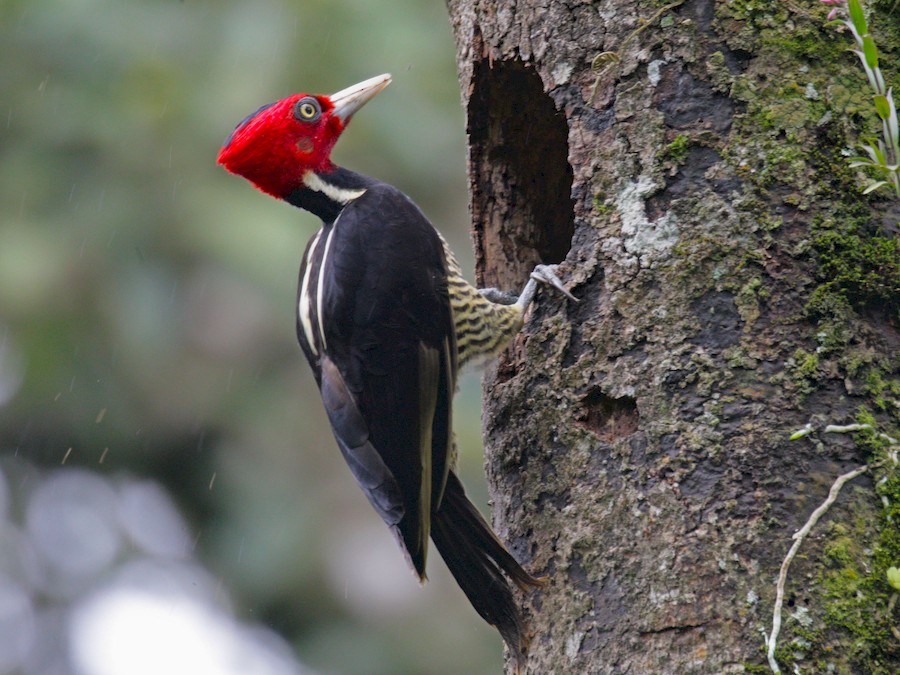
point(836, 4)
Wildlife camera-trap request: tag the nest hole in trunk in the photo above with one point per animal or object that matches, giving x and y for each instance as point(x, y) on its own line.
point(520, 176)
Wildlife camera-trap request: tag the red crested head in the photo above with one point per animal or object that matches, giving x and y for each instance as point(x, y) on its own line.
point(275, 147)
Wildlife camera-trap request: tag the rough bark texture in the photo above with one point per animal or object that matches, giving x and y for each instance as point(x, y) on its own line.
point(735, 286)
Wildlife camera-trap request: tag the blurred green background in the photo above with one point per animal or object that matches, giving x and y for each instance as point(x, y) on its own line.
point(147, 299)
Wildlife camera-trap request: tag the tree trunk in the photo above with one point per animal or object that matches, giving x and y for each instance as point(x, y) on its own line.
point(735, 286)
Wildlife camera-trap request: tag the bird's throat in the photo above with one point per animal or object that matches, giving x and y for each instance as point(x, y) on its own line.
point(326, 193)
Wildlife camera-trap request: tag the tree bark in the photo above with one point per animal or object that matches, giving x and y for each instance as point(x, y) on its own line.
point(735, 286)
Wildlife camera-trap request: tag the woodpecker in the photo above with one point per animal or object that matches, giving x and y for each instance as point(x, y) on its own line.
point(386, 320)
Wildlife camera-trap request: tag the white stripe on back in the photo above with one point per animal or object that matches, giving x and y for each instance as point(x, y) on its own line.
point(303, 309)
point(321, 285)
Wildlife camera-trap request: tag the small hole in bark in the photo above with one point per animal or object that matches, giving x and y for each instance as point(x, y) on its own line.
point(520, 175)
point(609, 418)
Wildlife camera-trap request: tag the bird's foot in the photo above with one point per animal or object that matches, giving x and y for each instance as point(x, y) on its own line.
point(546, 274)
point(500, 297)
point(542, 274)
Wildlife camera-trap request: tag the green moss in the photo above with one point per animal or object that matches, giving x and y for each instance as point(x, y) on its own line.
point(787, 655)
point(827, 302)
point(857, 592)
point(835, 319)
point(832, 336)
point(873, 373)
point(719, 74)
point(872, 439)
point(860, 266)
point(806, 365)
point(809, 40)
point(799, 649)
point(737, 357)
point(885, 24)
point(601, 206)
point(808, 43)
point(886, 392)
point(770, 160)
point(759, 13)
point(855, 589)
point(855, 361)
point(848, 96)
point(789, 114)
point(841, 550)
point(676, 151)
point(747, 300)
point(800, 374)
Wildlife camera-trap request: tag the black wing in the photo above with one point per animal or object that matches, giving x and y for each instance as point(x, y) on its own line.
point(385, 355)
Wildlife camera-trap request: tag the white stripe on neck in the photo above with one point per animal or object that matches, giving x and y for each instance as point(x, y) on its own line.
point(313, 181)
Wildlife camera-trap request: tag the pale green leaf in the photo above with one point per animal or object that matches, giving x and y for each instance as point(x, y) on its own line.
point(893, 577)
point(893, 126)
point(875, 186)
point(871, 52)
point(857, 16)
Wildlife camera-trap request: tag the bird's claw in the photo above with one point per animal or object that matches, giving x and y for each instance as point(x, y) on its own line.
point(546, 274)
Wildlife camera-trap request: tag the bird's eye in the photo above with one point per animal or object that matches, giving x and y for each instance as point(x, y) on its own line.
point(307, 110)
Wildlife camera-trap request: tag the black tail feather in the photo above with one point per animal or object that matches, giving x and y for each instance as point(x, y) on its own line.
point(481, 565)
